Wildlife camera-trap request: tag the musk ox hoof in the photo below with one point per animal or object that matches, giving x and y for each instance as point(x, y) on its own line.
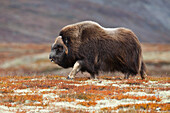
point(93, 78)
point(70, 78)
point(126, 76)
point(144, 77)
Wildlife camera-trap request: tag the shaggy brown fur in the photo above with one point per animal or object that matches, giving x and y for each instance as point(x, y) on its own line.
point(96, 48)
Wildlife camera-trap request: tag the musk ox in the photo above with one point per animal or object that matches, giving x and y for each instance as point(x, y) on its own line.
point(87, 46)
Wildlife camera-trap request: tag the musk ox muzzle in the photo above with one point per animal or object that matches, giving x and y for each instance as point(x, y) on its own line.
point(58, 50)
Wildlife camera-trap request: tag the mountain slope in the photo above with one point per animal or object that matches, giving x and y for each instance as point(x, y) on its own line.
point(40, 21)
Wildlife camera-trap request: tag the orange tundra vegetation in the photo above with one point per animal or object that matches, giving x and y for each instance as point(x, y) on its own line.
point(145, 106)
point(87, 104)
point(8, 99)
point(150, 98)
point(46, 91)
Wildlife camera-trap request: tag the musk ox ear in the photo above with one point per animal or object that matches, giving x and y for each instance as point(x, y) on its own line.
point(60, 41)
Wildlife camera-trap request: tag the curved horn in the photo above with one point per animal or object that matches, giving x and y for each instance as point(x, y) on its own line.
point(59, 40)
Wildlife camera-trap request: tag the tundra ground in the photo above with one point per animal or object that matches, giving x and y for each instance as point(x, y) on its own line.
point(29, 82)
point(52, 93)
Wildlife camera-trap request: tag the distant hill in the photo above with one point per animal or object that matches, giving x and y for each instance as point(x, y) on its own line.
point(39, 21)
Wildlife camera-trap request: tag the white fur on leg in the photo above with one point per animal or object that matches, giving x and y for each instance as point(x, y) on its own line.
point(75, 70)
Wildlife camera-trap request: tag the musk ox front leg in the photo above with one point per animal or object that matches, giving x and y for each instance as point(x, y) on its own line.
point(75, 70)
point(126, 76)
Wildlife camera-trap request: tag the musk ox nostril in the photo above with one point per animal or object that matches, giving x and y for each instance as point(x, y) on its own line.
point(49, 56)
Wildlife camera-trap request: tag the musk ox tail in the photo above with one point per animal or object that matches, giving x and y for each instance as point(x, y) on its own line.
point(143, 70)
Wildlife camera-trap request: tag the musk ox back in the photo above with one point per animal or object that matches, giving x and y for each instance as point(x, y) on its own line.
point(87, 46)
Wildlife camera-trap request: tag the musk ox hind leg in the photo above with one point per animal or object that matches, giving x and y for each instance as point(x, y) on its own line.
point(126, 76)
point(75, 70)
point(143, 71)
point(93, 76)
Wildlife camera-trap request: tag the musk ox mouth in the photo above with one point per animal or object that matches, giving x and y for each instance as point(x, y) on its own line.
point(52, 60)
point(56, 60)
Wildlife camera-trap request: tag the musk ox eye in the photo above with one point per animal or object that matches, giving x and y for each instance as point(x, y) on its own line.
point(66, 41)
